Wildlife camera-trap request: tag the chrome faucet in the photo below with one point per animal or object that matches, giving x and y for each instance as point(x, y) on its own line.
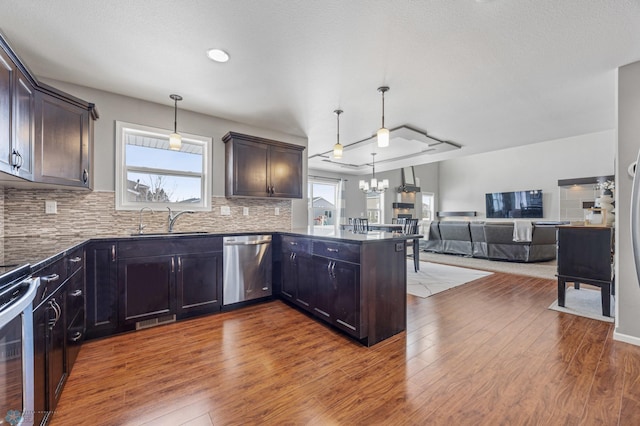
point(173, 217)
point(140, 225)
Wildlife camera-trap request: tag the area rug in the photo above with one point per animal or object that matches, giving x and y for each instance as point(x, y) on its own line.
point(434, 278)
point(584, 302)
point(545, 270)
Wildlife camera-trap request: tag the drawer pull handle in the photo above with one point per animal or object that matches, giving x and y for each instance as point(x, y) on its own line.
point(77, 336)
point(293, 243)
point(50, 278)
point(345, 324)
point(75, 259)
point(332, 250)
point(76, 293)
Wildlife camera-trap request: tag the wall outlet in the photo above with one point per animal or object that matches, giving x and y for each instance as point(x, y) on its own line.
point(277, 211)
point(225, 211)
point(51, 207)
point(245, 211)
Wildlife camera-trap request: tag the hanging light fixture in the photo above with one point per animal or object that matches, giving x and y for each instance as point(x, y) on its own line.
point(383, 133)
point(374, 185)
point(337, 148)
point(175, 140)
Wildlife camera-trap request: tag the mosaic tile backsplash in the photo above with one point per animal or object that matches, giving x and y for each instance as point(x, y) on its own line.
point(25, 228)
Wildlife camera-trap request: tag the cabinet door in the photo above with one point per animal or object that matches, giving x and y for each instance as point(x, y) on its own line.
point(347, 297)
point(56, 356)
point(324, 288)
point(289, 288)
point(199, 279)
point(62, 142)
point(102, 290)
point(306, 281)
point(249, 169)
point(40, 362)
point(147, 288)
point(7, 70)
point(285, 172)
point(23, 126)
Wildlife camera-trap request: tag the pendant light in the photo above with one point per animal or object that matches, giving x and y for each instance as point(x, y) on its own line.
point(175, 140)
point(337, 148)
point(374, 185)
point(383, 133)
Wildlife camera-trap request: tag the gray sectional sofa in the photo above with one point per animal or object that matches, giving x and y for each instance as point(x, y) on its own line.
point(490, 240)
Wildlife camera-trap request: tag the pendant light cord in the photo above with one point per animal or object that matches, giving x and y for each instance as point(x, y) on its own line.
point(175, 115)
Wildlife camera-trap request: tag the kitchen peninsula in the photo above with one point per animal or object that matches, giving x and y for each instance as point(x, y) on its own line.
point(354, 282)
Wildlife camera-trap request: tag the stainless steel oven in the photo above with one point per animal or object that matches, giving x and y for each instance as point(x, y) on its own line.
point(16, 350)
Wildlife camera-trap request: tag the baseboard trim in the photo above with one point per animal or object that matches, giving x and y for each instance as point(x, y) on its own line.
point(633, 340)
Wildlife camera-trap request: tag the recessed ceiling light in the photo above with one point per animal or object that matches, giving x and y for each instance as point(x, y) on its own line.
point(218, 55)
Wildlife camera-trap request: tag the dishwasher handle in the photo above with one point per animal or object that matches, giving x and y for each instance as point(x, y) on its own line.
point(246, 243)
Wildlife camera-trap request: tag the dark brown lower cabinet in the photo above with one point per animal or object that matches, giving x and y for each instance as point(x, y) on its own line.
point(357, 287)
point(199, 279)
point(147, 288)
point(50, 363)
point(337, 293)
point(102, 289)
point(146, 281)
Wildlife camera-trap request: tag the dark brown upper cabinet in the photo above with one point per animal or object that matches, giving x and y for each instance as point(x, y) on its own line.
point(46, 135)
point(258, 167)
point(16, 118)
point(64, 131)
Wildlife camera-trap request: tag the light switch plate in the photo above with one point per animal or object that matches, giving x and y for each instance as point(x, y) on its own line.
point(245, 211)
point(277, 211)
point(50, 207)
point(225, 211)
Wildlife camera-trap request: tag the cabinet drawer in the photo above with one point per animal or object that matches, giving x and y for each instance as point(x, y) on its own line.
point(74, 261)
point(144, 247)
point(295, 244)
point(51, 278)
point(75, 295)
point(339, 251)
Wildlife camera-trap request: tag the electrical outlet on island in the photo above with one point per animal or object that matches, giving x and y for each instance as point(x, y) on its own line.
point(277, 211)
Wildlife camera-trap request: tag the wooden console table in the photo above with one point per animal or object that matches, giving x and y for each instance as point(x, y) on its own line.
point(584, 256)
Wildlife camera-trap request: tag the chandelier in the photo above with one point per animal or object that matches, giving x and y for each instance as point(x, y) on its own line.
point(374, 185)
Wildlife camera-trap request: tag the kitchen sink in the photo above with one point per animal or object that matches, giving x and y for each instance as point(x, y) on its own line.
point(157, 234)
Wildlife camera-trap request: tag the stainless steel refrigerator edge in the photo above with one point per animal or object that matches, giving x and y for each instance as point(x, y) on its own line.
point(246, 268)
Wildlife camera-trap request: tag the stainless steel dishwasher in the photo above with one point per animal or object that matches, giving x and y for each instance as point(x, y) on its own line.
point(247, 268)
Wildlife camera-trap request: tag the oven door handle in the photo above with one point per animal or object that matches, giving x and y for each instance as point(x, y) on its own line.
point(13, 310)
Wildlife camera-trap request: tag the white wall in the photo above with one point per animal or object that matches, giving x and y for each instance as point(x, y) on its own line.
point(628, 289)
point(465, 181)
point(112, 107)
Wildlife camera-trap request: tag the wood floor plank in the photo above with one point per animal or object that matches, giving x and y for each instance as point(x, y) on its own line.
point(484, 353)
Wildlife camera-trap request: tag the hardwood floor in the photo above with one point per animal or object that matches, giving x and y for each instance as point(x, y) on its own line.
point(485, 353)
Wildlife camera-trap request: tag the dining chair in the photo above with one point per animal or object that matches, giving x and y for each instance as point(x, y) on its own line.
point(360, 225)
point(410, 227)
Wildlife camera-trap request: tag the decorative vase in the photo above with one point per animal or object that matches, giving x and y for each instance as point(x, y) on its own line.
point(605, 202)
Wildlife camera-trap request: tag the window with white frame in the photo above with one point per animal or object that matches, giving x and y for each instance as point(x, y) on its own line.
point(375, 211)
point(427, 211)
point(149, 174)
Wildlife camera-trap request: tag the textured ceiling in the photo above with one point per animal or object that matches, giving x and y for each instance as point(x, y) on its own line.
point(484, 75)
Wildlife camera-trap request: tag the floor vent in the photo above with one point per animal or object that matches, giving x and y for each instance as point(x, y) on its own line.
point(140, 325)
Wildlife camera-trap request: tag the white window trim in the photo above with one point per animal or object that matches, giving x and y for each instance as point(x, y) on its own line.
point(121, 179)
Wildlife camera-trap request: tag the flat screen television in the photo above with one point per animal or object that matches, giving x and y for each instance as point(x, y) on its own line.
point(517, 204)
